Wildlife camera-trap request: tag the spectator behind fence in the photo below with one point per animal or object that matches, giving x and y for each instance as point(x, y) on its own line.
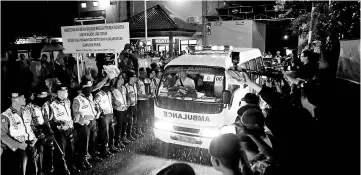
point(227, 155)
point(177, 169)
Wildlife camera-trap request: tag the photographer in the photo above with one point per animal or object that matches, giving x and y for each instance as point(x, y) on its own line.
point(291, 128)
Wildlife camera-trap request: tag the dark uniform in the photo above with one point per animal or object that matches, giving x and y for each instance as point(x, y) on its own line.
point(42, 130)
point(144, 93)
point(17, 138)
point(62, 124)
point(103, 101)
point(132, 99)
point(85, 115)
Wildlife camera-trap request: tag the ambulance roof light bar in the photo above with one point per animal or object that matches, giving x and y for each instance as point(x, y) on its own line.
point(213, 48)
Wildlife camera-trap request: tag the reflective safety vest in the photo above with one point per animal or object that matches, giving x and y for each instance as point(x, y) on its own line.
point(37, 114)
point(61, 112)
point(143, 86)
point(86, 106)
point(104, 100)
point(20, 128)
point(133, 94)
point(120, 97)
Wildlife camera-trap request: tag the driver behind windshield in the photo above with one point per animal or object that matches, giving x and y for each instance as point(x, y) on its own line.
point(184, 81)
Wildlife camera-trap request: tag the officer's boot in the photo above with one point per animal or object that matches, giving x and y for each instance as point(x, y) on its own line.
point(125, 140)
point(140, 133)
point(129, 132)
point(105, 152)
point(134, 132)
point(120, 145)
point(95, 158)
point(114, 149)
point(84, 164)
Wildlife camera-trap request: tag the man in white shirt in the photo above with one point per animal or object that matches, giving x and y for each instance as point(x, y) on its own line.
point(185, 81)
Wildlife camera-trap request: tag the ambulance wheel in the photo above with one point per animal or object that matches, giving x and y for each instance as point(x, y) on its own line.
point(163, 148)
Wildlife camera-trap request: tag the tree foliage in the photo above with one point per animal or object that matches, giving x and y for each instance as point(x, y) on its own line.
point(340, 20)
point(344, 18)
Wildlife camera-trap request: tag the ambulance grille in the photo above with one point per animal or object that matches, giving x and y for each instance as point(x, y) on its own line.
point(189, 130)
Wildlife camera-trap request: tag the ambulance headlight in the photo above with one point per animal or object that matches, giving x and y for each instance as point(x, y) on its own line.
point(227, 129)
point(210, 132)
point(163, 125)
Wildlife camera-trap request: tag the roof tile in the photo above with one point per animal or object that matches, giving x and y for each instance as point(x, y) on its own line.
point(160, 18)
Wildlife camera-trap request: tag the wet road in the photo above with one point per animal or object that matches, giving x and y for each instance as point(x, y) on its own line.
point(143, 157)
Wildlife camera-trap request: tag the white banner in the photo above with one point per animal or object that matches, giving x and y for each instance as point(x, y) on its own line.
point(99, 38)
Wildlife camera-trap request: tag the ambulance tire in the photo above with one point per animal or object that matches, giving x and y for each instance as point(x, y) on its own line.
point(163, 149)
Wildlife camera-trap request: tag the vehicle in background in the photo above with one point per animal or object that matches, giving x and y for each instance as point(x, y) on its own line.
point(89, 21)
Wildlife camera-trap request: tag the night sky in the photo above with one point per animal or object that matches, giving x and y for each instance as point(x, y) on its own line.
point(38, 17)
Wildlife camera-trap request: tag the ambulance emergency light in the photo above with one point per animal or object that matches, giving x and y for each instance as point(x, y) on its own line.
point(213, 48)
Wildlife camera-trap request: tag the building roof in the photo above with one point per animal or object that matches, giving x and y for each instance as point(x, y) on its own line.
point(216, 60)
point(160, 18)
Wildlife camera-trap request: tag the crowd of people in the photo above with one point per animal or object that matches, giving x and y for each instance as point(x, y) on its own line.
point(61, 128)
point(285, 127)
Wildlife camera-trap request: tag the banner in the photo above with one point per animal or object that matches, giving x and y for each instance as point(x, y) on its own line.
point(99, 38)
point(349, 61)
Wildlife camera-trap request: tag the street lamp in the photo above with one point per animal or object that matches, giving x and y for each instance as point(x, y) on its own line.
point(285, 37)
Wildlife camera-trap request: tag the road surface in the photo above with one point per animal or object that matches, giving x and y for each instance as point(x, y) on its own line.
point(143, 157)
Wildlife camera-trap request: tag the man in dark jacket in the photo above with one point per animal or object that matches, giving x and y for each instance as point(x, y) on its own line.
point(128, 60)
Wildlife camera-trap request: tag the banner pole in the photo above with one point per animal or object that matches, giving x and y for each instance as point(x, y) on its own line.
point(77, 67)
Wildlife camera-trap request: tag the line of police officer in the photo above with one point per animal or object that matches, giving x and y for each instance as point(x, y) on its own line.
point(45, 130)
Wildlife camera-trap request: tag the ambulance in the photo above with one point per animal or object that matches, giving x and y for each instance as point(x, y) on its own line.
point(192, 115)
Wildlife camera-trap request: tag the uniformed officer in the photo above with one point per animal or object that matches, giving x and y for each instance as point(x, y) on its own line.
point(85, 115)
point(120, 105)
point(43, 131)
point(132, 101)
point(17, 137)
point(103, 101)
point(62, 124)
point(153, 91)
point(143, 101)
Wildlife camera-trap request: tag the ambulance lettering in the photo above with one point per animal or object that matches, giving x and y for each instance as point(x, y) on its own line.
point(186, 116)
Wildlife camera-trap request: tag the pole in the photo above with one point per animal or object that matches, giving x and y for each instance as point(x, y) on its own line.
point(311, 24)
point(77, 67)
point(146, 25)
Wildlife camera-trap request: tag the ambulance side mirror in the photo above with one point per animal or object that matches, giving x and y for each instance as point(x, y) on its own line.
point(226, 97)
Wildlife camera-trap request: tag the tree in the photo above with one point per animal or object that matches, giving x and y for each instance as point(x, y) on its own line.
point(339, 21)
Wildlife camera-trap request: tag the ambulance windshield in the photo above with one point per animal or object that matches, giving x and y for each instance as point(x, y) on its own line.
point(194, 83)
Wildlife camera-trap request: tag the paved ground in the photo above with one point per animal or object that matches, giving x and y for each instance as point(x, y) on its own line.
point(143, 157)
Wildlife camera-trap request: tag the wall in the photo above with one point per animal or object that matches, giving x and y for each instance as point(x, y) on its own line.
point(114, 13)
point(259, 36)
point(182, 8)
point(229, 33)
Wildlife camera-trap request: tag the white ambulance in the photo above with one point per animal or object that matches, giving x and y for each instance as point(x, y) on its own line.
point(192, 111)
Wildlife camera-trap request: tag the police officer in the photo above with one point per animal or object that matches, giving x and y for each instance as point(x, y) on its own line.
point(17, 137)
point(103, 101)
point(143, 101)
point(153, 91)
point(43, 131)
point(85, 115)
point(132, 101)
point(62, 124)
point(120, 105)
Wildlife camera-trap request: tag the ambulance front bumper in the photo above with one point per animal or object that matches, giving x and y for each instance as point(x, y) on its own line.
point(182, 138)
